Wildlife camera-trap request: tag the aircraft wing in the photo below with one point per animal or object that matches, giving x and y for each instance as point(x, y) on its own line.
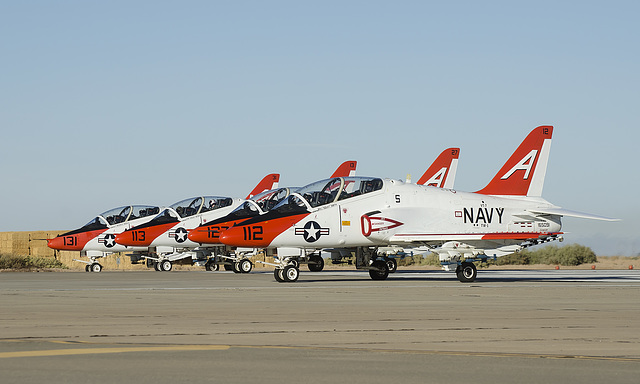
point(567, 212)
point(437, 238)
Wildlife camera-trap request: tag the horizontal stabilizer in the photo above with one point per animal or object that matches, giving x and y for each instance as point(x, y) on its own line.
point(567, 212)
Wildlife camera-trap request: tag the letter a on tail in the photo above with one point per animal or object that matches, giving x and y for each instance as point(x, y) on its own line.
point(523, 174)
point(442, 173)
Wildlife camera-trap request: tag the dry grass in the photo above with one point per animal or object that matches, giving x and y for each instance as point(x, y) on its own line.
point(28, 263)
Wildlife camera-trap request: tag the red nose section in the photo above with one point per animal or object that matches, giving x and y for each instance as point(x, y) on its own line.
point(207, 235)
point(73, 241)
point(210, 234)
point(57, 243)
point(245, 236)
point(142, 237)
point(258, 234)
point(200, 235)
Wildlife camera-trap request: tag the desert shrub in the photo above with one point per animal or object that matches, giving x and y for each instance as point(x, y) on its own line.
point(573, 254)
point(518, 258)
point(429, 259)
point(28, 262)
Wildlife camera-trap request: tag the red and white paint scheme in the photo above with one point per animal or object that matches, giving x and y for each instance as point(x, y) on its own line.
point(442, 173)
point(348, 168)
point(96, 239)
point(165, 236)
point(363, 214)
point(209, 233)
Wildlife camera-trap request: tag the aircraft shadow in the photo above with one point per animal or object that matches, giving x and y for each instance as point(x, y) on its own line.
point(431, 275)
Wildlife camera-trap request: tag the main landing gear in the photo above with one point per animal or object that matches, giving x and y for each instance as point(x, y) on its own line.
point(379, 270)
point(466, 272)
point(315, 263)
point(287, 271)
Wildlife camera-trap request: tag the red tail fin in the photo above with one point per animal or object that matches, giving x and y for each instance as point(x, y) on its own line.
point(348, 168)
point(523, 174)
point(442, 173)
point(267, 183)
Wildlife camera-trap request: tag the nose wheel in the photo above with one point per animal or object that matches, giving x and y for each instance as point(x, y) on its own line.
point(163, 266)
point(288, 274)
point(245, 266)
point(93, 267)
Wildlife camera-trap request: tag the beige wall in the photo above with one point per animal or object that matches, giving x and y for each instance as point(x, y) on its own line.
point(27, 243)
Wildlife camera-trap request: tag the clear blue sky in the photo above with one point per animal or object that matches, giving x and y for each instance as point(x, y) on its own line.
point(104, 104)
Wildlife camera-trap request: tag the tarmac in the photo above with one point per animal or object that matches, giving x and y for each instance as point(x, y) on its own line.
point(525, 326)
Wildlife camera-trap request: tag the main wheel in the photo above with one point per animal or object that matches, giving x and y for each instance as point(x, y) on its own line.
point(466, 272)
point(236, 267)
point(316, 264)
point(165, 265)
point(245, 266)
point(211, 266)
point(87, 268)
point(95, 267)
point(290, 273)
point(379, 271)
point(294, 262)
point(392, 264)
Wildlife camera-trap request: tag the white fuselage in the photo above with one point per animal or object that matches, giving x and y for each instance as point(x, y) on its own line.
point(408, 215)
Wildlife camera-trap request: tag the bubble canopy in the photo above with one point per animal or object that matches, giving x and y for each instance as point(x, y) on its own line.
point(260, 203)
point(328, 191)
point(121, 215)
point(190, 207)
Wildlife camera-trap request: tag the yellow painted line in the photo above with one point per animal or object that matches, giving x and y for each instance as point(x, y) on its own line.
point(98, 351)
point(174, 348)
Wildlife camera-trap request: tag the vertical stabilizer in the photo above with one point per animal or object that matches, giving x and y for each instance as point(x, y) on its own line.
point(442, 173)
point(348, 168)
point(267, 183)
point(523, 174)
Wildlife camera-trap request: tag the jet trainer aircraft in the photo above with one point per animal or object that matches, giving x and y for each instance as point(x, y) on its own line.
point(363, 214)
point(96, 239)
point(165, 236)
point(441, 173)
point(208, 234)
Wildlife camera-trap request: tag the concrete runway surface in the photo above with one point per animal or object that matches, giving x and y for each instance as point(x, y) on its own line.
point(536, 326)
